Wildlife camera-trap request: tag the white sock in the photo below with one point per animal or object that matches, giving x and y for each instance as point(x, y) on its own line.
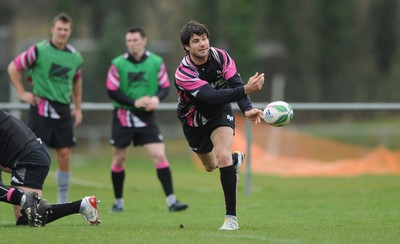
point(119, 202)
point(170, 199)
point(231, 217)
point(62, 186)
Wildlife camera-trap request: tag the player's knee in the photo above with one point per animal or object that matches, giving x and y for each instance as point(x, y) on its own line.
point(224, 159)
point(63, 156)
point(158, 156)
point(209, 169)
point(118, 162)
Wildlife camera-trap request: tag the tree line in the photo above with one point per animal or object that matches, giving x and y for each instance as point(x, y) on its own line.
point(329, 51)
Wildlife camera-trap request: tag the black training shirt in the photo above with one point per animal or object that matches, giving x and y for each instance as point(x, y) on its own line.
point(16, 139)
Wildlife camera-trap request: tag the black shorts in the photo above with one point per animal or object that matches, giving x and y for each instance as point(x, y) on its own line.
point(121, 136)
point(55, 133)
point(32, 170)
point(199, 137)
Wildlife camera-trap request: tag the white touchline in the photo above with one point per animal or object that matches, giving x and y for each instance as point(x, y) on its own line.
point(84, 182)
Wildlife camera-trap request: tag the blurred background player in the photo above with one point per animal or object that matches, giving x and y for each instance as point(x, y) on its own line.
point(207, 82)
point(26, 158)
point(55, 70)
point(136, 82)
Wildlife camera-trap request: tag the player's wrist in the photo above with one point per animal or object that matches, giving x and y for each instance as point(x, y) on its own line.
point(245, 89)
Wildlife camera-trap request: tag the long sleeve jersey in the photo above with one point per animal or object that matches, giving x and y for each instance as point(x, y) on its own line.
point(129, 79)
point(16, 139)
point(205, 90)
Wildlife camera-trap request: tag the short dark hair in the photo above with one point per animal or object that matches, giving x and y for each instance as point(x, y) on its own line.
point(63, 17)
point(191, 28)
point(135, 29)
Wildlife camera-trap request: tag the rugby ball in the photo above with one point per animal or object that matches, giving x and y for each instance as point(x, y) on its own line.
point(278, 113)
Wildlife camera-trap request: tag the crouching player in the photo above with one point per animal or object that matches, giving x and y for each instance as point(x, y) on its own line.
point(26, 158)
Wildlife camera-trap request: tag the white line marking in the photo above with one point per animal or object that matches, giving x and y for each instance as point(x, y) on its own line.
point(258, 238)
point(81, 182)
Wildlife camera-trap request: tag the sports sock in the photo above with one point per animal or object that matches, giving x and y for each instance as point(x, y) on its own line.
point(119, 202)
point(118, 182)
point(63, 186)
point(229, 186)
point(63, 209)
point(231, 217)
point(165, 177)
point(17, 197)
point(4, 191)
point(170, 199)
point(12, 195)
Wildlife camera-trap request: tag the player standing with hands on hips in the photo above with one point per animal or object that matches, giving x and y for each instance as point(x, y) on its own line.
point(207, 82)
point(55, 72)
point(136, 82)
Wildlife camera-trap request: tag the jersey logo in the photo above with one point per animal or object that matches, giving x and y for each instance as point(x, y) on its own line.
point(136, 80)
point(219, 84)
point(135, 76)
point(229, 117)
point(219, 74)
point(58, 73)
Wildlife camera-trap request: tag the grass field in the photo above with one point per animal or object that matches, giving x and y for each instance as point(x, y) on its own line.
point(362, 209)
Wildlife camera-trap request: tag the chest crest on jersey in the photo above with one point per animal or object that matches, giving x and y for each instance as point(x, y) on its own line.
point(221, 83)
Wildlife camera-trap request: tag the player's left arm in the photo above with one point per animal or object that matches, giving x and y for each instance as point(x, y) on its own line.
point(163, 89)
point(77, 98)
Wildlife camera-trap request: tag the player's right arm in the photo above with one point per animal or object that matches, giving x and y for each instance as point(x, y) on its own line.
point(200, 89)
point(20, 63)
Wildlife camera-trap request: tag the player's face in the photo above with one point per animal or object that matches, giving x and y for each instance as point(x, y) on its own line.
point(60, 33)
point(198, 48)
point(135, 43)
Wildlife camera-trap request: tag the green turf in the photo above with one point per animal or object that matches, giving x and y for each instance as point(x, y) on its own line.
point(279, 210)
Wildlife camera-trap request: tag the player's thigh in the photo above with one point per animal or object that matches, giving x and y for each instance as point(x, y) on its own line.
point(198, 139)
point(222, 138)
point(32, 170)
point(121, 136)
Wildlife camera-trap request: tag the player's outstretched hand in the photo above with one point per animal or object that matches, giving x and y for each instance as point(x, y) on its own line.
point(255, 83)
point(255, 115)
